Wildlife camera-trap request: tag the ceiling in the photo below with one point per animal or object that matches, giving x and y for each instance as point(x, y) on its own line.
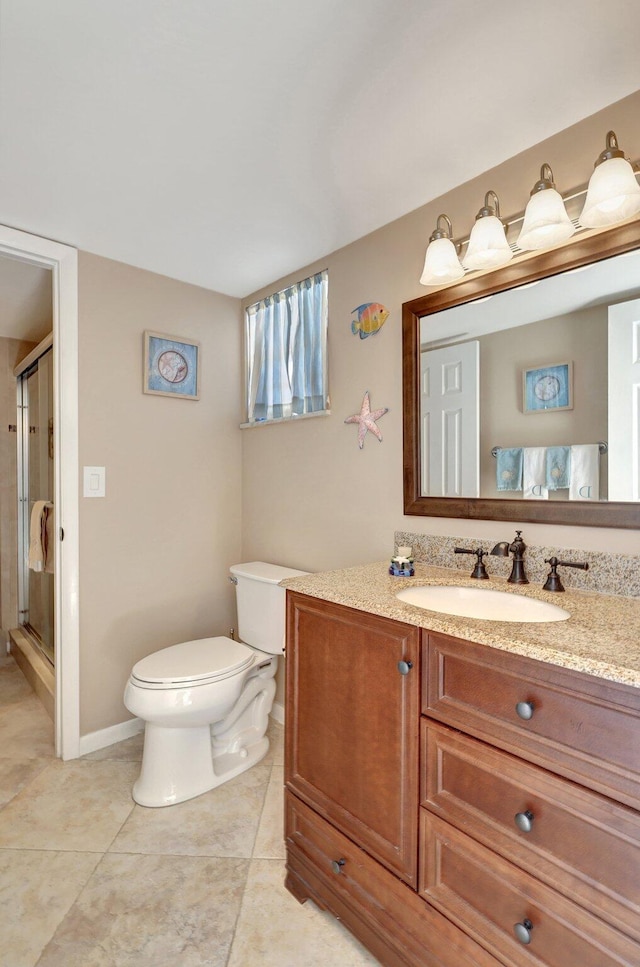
point(230, 142)
point(26, 296)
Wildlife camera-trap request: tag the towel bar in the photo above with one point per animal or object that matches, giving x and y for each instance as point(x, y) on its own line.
point(602, 447)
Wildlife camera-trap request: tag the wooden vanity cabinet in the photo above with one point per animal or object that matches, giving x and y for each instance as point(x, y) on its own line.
point(444, 829)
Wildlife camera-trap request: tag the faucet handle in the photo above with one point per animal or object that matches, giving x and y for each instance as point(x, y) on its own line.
point(479, 570)
point(553, 582)
point(518, 543)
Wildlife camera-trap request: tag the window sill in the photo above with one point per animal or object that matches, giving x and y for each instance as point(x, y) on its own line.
point(285, 419)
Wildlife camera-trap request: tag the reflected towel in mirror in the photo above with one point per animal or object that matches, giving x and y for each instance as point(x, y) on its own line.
point(585, 472)
point(534, 474)
point(558, 467)
point(509, 468)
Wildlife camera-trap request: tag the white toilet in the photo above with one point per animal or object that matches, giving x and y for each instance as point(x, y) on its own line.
point(206, 703)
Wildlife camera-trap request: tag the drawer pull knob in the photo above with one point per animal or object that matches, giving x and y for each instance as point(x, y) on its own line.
point(525, 710)
point(524, 821)
point(404, 667)
point(523, 931)
point(336, 865)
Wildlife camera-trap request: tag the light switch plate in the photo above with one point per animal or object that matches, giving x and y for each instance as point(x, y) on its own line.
point(94, 481)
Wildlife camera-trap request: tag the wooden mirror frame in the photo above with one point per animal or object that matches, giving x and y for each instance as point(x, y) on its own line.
point(582, 251)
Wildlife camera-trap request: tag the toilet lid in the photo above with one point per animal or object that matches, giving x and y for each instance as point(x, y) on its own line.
point(197, 662)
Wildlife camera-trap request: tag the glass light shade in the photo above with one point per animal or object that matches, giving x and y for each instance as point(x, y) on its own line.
point(546, 222)
point(488, 246)
point(441, 263)
point(612, 196)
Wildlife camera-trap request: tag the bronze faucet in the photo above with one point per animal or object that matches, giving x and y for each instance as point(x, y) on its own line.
point(517, 548)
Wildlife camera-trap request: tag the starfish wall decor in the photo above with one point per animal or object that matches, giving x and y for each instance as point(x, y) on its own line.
point(366, 420)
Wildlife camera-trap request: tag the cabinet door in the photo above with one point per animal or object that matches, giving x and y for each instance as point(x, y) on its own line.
point(352, 725)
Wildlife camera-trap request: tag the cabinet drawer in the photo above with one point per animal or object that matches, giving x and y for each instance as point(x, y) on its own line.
point(584, 845)
point(580, 726)
point(488, 896)
point(384, 905)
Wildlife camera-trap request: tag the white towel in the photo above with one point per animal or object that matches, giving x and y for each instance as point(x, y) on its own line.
point(534, 473)
point(585, 472)
point(40, 536)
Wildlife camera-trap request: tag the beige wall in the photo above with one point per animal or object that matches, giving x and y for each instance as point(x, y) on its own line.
point(311, 498)
point(154, 553)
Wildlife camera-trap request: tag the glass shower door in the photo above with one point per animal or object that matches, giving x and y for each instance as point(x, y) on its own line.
point(35, 448)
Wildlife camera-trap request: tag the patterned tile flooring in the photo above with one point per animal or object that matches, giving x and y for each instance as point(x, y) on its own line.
point(90, 879)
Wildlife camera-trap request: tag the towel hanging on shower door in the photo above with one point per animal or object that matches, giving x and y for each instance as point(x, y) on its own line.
point(41, 544)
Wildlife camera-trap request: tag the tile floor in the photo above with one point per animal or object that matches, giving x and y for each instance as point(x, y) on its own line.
point(90, 879)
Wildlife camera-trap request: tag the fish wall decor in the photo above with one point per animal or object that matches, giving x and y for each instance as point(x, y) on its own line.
point(371, 317)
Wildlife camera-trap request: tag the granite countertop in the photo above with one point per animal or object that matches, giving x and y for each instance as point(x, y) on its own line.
point(601, 638)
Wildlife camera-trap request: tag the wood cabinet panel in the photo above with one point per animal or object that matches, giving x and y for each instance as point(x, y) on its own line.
point(389, 911)
point(488, 896)
point(584, 845)
point(352, 725)
point(583, 727)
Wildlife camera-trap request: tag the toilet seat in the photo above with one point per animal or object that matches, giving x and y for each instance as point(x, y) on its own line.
point(197, 662)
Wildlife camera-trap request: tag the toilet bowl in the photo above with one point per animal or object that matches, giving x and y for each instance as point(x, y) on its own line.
point(206, 703)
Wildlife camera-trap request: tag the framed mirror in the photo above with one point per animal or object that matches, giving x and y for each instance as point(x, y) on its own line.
point(539, 337)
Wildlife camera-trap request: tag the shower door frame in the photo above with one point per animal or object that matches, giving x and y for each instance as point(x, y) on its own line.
point(25, 371)
point(63, 262)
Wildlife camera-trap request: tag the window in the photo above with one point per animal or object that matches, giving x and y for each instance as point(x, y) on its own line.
point(286, 349)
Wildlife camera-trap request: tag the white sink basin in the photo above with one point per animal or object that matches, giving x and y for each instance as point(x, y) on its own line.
point(482, 603)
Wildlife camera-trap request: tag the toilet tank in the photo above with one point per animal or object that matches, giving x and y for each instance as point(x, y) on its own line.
point(261, 604)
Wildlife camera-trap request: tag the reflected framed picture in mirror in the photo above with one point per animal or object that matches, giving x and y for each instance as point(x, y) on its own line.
point(548, 389)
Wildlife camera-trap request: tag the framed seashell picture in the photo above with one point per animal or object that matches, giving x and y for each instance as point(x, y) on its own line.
point(171, 366)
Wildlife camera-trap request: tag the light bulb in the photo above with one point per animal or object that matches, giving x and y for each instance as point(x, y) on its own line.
point(546, 222)
point(613, 193)
point(441, 263)
point(488, 247)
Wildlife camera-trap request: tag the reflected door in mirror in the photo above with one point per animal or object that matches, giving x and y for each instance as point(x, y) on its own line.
point(450, 420)
point(624, 401)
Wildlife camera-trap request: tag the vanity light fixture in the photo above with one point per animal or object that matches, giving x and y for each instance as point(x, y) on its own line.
point(488, 246)
point(441, 263)
point(546, 222)
point(613, 193)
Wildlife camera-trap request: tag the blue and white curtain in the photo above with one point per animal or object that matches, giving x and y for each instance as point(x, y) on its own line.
point(287, 351)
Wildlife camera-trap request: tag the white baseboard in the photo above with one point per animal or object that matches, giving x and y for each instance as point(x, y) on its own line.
point(109, 736)
point(277, 712)
point(124, 730)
